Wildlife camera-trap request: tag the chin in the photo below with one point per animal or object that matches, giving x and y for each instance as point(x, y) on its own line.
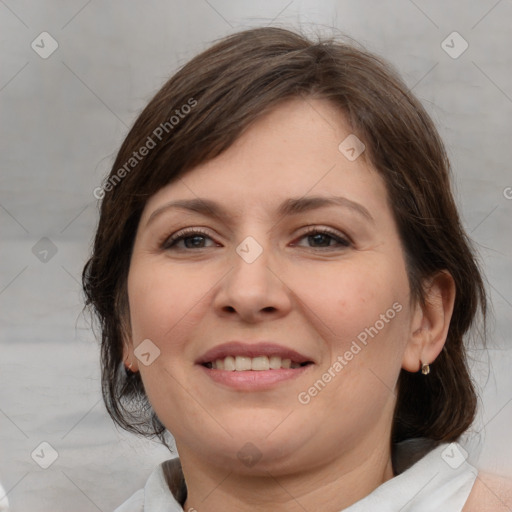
point(256, 450)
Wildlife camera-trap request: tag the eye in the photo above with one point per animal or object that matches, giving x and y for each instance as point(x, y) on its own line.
point(192, 239)
point(322, 238)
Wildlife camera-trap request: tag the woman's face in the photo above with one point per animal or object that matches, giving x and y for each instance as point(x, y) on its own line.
point(295, 256)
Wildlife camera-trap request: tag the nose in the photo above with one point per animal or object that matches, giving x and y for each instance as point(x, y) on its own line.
point(253, 290)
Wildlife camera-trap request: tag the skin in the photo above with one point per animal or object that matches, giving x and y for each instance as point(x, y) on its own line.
point(490, 493)
point(312, 294)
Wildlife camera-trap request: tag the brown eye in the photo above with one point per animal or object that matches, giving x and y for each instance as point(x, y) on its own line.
point(191, 238)
point(323, 238)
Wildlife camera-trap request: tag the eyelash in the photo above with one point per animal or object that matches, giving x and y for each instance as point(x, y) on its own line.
point(170, 242)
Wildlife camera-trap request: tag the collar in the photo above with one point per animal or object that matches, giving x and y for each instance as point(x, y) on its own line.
point(430, 479)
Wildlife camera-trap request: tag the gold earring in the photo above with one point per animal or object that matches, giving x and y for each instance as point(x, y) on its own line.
point(425, 368)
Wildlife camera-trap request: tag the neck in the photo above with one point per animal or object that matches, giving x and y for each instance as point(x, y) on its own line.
point(332, 486)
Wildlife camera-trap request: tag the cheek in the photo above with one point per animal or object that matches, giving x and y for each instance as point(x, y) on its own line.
point(362, 313)
point(164, 306)
point(356, 301)
point(164, 301)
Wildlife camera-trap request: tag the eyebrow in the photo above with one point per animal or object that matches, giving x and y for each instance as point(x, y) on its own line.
point(292, 206)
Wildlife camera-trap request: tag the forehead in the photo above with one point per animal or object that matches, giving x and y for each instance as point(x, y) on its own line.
point(297, 149)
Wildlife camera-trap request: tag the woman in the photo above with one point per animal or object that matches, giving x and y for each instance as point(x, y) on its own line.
point(283, 284)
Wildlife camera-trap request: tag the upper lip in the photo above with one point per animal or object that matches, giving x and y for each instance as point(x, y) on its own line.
point(255, 349)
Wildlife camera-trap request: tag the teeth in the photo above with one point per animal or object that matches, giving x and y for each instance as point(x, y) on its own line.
point(229, 364)
point(242, 363)
point(260, 363)
point(275, 362)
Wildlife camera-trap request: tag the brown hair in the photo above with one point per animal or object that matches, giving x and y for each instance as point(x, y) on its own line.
point(227, 88)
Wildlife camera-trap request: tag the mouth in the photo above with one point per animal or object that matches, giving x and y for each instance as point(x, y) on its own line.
point(253, 366)
point(257, 364)
point(257, 356)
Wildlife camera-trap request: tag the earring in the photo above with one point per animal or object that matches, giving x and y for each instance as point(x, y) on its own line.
point(425, 368)
point(128, 366)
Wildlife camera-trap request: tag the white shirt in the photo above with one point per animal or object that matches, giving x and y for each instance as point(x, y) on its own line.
point(440, 481)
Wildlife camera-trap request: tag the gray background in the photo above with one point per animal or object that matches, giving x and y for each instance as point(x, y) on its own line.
point(63, 119)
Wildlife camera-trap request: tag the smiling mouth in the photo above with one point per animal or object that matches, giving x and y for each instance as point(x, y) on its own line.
point(258, 363)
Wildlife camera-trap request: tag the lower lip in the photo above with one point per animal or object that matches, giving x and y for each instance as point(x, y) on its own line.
point(254, 380)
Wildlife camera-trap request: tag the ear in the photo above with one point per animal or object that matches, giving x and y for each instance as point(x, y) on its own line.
point(430, 323)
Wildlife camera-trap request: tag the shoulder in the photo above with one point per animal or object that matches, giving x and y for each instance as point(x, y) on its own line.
point(490, 493)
